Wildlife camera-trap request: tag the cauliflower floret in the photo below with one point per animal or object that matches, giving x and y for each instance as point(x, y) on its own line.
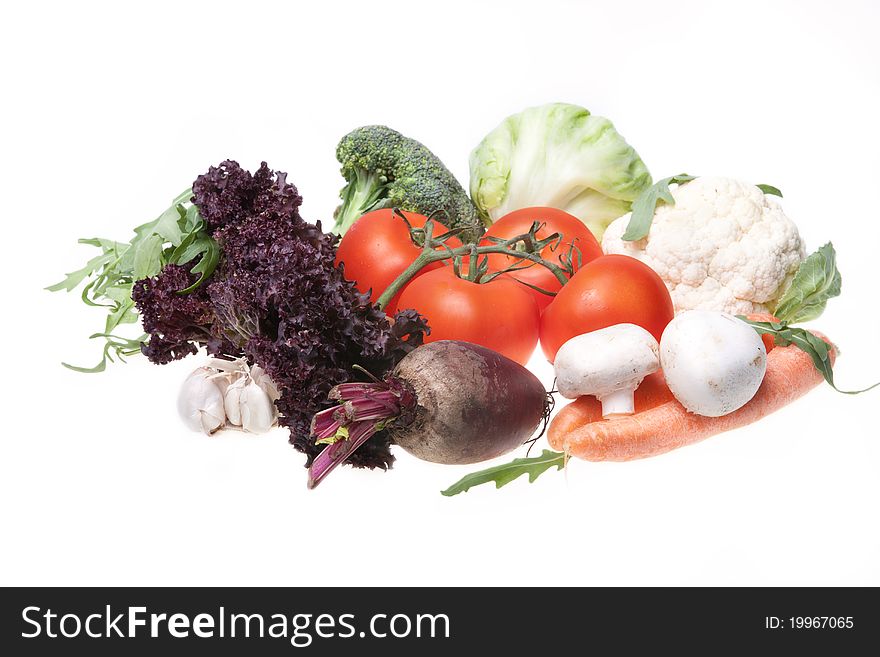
point(724, 245)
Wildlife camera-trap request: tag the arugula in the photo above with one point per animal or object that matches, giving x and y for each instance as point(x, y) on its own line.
point(122, 347)
point(177, 236)
point(816, 281)
point(502, 475)
point(815, 347)
point(643, 207)
point(769, 189)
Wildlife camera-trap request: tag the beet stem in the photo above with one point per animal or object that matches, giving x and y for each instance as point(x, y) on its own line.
point(336, 453)
point(365, 408)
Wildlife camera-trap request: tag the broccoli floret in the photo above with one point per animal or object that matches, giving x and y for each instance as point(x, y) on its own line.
point(384, 169)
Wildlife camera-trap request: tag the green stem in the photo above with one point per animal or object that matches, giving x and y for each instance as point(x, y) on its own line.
point(560, 273)
point(406, 276)
point(362, 194)
point(430, 253)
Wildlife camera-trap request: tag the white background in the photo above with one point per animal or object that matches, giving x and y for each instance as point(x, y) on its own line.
point(109, 111)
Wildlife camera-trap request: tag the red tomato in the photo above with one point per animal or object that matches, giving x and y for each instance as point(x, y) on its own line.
point(377, 248)
point(500, 314)
point(613, 289)
point(570, 227)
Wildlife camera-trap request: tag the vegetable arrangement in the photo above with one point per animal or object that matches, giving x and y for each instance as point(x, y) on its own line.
point(411, 322)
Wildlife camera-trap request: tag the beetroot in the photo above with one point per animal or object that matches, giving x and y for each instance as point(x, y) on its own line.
point(447, 402)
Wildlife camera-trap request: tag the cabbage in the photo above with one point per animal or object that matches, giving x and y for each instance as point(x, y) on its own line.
point(560, 156)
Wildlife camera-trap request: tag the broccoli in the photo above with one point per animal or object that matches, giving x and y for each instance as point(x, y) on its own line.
point(384, 169)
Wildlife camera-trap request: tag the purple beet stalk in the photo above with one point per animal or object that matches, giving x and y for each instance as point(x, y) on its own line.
point(363, 409)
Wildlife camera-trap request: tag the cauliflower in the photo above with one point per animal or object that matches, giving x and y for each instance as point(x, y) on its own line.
point(722, 246)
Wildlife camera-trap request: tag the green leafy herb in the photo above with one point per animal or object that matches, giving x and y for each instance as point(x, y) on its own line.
point(643, 207)
point(815, 347)
point(122, 347)
point(205, 246)
point(770, 189)
point(176, 236)
point(534, 467)
point(816, 281)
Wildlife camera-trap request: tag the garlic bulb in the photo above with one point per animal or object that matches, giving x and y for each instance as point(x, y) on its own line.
point(229, 393)
point(200, 402)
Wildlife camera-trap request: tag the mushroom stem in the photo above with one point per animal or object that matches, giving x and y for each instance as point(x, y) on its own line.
point(619, 402)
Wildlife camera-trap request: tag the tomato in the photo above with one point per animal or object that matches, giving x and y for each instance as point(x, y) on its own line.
point(500, 314)
point(570, 227)
point(377, 248)
point(613, 289)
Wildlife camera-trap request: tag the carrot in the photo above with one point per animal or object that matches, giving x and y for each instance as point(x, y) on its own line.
point(767, 339)
point(667, 424)
point(652, 392)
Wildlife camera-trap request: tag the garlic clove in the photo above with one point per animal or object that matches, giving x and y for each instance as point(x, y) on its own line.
point(258, 374)
point(222, 380)
point(232, 399)
point(200, 402)
point(211, 421)
point(257, 409)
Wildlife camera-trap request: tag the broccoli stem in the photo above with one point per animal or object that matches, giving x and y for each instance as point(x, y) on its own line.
point(431, 253)
point(362, 193)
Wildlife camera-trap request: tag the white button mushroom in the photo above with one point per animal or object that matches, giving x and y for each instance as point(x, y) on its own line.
point(609, 363)
point(713, 362)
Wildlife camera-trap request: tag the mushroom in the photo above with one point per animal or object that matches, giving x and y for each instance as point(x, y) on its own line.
point(609, 364)
point(713, 362)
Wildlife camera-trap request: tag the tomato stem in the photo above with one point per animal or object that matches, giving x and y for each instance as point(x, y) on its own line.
point(523, 247)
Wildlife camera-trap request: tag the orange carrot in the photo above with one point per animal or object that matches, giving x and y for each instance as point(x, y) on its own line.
point(767, 339)
point(668, 425)
point(652, 392)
